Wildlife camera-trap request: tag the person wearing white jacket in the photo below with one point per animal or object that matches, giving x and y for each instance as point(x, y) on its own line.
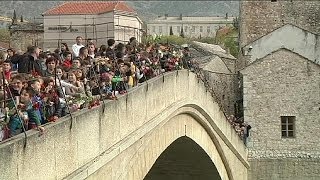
point(76, 47)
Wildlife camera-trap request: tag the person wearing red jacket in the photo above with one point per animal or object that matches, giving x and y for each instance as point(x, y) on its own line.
point(6, 68)
point(67, 62)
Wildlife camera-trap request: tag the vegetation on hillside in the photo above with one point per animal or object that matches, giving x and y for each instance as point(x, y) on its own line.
point(227, 38)
point(166, 39)
point(147, 10)
point(4, 35)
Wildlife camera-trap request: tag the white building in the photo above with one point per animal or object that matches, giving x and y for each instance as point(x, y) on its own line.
point(97, 20)
point(192, 26)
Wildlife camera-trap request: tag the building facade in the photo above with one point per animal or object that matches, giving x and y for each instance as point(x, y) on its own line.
point(279, 65)
point(194, 27)
point(258, 18)
point(282, 104)
point(98, 21)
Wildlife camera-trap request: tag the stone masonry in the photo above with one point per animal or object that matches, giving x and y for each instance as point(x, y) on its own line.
point(223, 84)
point(282, 84)
point(259, 18)
point(24, 34)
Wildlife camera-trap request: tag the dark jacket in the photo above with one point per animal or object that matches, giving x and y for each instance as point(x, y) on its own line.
point(110, 53)
point(27, 64)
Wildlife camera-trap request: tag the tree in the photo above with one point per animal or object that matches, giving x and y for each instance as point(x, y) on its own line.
point(182, 33)
point(171, 31)
point(236, 23)
point(14, 19)
point(232, 45)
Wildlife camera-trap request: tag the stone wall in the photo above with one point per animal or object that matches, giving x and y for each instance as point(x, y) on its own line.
point(285, 169)
point(224, 85)
point(224, 88)
point(258, 18)
point(282, 84)
point(20, 40)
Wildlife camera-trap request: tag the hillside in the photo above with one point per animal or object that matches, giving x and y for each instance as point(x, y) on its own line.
point(146, 9)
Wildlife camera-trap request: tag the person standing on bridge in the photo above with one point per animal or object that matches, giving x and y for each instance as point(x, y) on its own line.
point(76, 47)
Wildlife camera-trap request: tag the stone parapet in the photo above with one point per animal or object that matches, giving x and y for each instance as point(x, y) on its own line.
point(72, 147)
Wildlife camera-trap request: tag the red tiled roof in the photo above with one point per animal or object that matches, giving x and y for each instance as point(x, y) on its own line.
point(89, 7)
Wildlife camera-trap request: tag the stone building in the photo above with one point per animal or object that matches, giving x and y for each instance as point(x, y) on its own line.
point(191, 26)
point(24, 34)
point(282, 103)
point(258, 18)
point(96, 20)
point(288, 36)
point(279, 64)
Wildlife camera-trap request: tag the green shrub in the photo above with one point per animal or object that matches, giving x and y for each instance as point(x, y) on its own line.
point(178, 40)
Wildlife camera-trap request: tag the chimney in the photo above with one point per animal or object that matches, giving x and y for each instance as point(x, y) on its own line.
point(165, 16)
point(226, 15)
point(180, 16)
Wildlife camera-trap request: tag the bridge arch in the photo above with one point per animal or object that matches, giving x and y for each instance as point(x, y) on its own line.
point(184, 124)
point(184, 119)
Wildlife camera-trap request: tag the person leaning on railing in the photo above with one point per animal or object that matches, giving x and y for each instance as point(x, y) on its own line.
point(77, 83)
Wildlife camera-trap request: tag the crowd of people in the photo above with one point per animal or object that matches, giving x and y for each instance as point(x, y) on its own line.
point(242, 128)
point(39, 87)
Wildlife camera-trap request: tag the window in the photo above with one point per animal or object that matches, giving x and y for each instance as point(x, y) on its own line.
point(178, 29)
point(186, 29)
point(287, 126)
point(160, 29)
point(201, 28)
point(208, 29)
point(193, 29)
point(273, 0)
point(153, 29)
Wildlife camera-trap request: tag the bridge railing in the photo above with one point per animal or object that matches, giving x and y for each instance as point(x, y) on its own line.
point(61, 150)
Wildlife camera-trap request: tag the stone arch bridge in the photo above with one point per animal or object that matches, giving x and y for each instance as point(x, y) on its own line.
point(169, 124)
